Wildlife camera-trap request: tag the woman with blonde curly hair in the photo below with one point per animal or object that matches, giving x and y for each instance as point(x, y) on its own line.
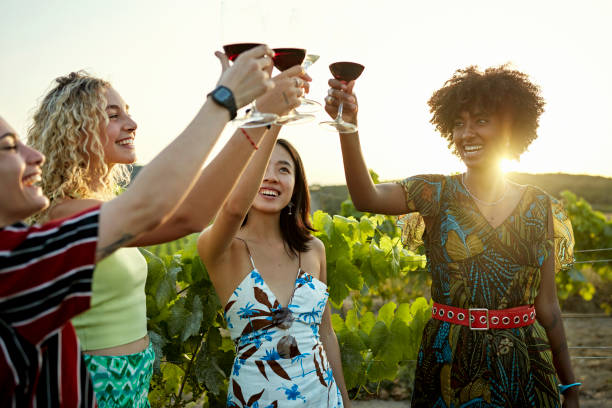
point(69, 127)
point(84, 128)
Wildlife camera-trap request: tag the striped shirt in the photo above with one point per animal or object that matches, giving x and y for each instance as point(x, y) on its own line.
point(45, 280)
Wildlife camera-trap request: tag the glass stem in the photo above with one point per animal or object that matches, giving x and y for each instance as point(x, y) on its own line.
point(339, 117)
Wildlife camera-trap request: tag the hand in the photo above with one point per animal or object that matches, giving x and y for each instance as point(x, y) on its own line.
point(340, 91)
point(290, 85)
point(249, 75)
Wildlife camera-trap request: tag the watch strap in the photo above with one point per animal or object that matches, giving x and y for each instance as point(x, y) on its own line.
point(223, 96)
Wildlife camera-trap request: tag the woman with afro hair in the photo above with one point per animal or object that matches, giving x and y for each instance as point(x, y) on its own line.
point(493, 248)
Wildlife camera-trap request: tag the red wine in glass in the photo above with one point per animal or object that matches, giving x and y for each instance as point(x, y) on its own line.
point(234, 50)
point(346, 72)
point(253, 117)
point(285, 58)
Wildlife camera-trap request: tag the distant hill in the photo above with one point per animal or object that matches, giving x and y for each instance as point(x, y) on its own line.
point(596, 190)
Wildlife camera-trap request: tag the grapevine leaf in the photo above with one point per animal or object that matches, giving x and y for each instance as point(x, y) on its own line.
point(165, 293)
point(366, 227)
point(352, 360)
point(386, 313)
point(322, 222)
point(173, 376)
point(351, 320)
point(349, 273)
point(403, 312)
point(194, 319)
point(378, 335)
point(207, 371)
point(338, 323)
point(382, 370)
point(158, 342)
point(367, 322)
point(179, 316)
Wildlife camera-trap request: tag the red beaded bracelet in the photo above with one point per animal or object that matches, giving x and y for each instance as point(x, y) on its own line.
point(249, 139)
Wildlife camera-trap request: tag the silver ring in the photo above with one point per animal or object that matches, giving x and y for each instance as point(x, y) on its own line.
point(460, 316)
point(495, 320)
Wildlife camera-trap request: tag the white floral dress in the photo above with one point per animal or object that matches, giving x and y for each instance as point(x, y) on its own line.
point(280, 360)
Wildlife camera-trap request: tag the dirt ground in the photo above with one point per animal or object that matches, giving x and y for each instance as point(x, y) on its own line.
point(583, 331)
point(595, 374)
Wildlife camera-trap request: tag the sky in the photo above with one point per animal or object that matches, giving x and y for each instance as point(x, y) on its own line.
point(159, 55)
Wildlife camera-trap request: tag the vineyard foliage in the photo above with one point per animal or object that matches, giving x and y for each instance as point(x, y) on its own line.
point(378, 291)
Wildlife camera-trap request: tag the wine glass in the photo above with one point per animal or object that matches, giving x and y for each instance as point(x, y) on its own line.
point(285, 58)
point(253, 118)
point(308, 105)
point(345, 72)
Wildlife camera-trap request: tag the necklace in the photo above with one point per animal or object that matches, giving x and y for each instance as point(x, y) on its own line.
point(487, 203)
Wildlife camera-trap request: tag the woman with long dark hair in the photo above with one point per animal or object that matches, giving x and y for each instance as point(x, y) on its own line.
point(270, 273)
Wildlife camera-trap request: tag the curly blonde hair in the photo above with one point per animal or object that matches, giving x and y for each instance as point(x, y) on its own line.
point(67, 128)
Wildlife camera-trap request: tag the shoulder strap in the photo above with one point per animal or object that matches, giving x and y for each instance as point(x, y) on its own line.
point(248, 251)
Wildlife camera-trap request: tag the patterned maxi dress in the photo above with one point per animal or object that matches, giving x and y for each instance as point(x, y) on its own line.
point(276, 365)
point(474, 265)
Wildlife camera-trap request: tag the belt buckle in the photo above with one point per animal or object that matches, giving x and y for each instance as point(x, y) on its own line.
point(470, 315)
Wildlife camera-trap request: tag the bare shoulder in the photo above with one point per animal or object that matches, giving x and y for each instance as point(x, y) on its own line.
point(71, 207)
point(217, 260)
point(313, 261)
point(317, 246)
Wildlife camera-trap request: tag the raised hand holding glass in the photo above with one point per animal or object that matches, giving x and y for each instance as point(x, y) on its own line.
point(253, 118)
point(285, 58)
point(345, 72)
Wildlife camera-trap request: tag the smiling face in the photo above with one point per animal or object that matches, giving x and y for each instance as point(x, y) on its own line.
point(481, 139)
point(277, 186)
point(19, 173)
point(118, 136)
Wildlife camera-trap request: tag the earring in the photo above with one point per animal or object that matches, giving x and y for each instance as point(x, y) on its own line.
point(290, 205)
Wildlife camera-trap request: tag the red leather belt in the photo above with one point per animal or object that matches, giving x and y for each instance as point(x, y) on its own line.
point(485, 319)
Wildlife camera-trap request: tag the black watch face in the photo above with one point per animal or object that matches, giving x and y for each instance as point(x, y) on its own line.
point(222, 94)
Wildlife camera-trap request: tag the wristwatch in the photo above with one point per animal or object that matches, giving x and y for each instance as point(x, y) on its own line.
point(223, 96)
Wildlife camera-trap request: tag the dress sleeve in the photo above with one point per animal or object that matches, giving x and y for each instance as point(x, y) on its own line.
point(46, 273)
point(422, 193)
point(563, 237)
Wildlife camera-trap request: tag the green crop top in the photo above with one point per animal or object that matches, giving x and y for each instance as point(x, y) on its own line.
point(118, 313)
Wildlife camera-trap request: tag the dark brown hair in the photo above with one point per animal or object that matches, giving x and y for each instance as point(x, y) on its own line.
point(496, 90)
point(296, 227)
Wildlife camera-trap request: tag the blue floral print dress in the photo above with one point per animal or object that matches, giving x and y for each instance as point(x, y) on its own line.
point(280, 360)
